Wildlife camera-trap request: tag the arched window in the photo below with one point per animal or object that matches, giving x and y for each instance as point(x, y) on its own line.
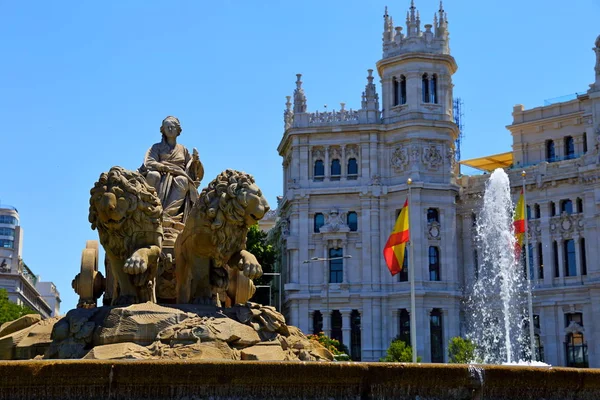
point(352, 169)
point(404, 327)
point(434, 263)
point(436, 335)
point(402, 89)
point(319, 221)
point(569, 147)
point(336, 266)
point(336, 326)
point(352, 221)
point(579, 205)
point(396, 90)
point(319, 171)
point(550, 155)
point(336, 169)
point(569, 254)
point(317, 322)
point(566, 206)
point(433, 89)
point(425, 88)
point(433, 215)
point(576, 348)
point(403, 275)
point(536, 211)
point(355, 340)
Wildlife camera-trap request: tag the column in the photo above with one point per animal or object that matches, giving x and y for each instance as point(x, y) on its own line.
point(576, 240)
point(326, 322)
point(561, 259)
point(446, 332)
point(592, 336)
point(310, 164)
point(534, 267)
point(376, 257)
point(345, 262)
point(303, 314)
point(346, 327)
point(294, 313)
point(344, 164)
point(373, 156)
point(327, 166)
point(546, 240)
point(366, 233)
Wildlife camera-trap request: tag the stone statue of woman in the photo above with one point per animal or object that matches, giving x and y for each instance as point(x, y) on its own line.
point(174, 173)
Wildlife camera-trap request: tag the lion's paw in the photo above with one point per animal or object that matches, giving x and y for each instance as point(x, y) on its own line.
point(249, 265)
point(136, 264)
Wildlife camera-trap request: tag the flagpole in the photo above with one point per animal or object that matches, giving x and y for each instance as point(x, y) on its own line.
point(528, 274)
point(411, 272)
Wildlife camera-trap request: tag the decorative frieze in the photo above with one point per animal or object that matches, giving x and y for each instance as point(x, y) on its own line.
point(566, 225)
point(432, 156)
point(335, 222)
point(399, 159)
point(433, 230)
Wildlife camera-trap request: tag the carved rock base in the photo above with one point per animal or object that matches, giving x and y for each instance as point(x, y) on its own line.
point(165, 332)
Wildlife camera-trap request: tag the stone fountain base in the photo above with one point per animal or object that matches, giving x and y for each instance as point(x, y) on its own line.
point(158, 379)
point(161, 332)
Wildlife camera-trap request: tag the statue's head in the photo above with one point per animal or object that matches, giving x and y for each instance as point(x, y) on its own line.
point(170, 124)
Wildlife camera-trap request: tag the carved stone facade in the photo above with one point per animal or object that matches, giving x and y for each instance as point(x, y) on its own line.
point(413, 136)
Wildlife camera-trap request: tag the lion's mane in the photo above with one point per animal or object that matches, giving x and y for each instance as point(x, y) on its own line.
point(223, 205)
point(146, 217)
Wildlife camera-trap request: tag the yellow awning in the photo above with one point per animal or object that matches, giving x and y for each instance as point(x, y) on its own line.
point(490, 163)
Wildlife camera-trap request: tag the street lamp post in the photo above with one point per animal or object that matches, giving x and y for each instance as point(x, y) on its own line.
point(317, 259)
point(278, 274)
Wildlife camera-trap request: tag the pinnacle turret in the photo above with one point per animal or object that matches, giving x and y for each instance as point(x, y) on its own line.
point(415, 40)
point(370, 98)
point(299, 97)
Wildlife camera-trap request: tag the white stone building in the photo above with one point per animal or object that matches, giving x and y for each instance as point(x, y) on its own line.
point(345, 175)
point(15, 276)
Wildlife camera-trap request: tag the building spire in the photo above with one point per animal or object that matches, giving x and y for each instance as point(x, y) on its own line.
point(388, 27)
point(597, 67)
point(369, 112)
point(413, 21)
point(299, 97)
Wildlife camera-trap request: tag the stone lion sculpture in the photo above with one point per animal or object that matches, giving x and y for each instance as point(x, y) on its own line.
point(213, 242)
point(127, 213)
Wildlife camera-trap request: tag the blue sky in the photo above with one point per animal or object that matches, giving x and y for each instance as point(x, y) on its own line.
point(85, 85)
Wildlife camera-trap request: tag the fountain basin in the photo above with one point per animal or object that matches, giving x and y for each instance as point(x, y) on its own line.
point(77, 379)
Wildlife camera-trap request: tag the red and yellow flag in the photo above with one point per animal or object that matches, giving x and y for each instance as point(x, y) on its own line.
point(393, 252)
point(519, 223)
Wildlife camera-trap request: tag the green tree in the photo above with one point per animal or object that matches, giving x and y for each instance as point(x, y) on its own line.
point(338, 349)
point(10, 311)
point(266, 254)
point(460, 350)
point(399, 351)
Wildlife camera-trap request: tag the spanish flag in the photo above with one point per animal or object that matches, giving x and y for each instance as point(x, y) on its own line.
point(519, 224)
point(393, 252)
